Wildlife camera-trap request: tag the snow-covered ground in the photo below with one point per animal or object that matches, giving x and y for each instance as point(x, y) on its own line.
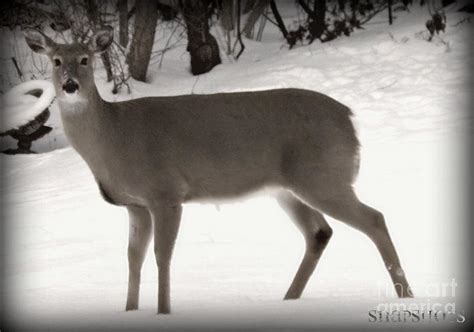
point(66, 257)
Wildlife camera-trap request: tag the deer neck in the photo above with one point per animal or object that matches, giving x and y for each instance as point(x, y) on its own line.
point(82, 106)
point(83, 119)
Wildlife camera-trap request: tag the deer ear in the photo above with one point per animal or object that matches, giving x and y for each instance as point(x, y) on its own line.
point(101, 40)
point(38, 42)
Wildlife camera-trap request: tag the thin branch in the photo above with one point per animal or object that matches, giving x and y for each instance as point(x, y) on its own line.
point(278, 18)
point(239, 33)
point(375, 12)
point(306, 8)
point(270, 20)
point(166, 45)
point(18, 71)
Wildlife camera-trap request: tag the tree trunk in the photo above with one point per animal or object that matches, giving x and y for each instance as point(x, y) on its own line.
point(342, 5)
point(249, 4)
point(278, 18)
point(123, 22)
point(390, 17)
point(239, 32)
point(317, 23)
point(255, 14)
point(94, 17)
point(146, 16)
point(168, 13)
point(202, 46)
point(227, 22)
point(320, 13)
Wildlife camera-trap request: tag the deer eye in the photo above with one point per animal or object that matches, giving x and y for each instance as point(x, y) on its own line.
point(84, 61)
point(57, 62)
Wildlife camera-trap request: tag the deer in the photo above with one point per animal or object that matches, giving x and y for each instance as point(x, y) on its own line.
point(151, 155)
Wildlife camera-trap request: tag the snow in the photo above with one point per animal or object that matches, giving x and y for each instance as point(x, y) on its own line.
point(19, 107)
point(66, 262)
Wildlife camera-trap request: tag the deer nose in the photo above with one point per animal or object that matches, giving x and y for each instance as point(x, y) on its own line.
point(70, 86)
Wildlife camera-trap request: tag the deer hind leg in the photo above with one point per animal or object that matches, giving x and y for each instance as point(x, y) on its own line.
point(166, 220)
point(139, 238)
point(346, 207)
point(316, 233)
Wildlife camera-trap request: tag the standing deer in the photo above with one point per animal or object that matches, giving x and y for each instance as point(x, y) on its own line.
point(153, 154)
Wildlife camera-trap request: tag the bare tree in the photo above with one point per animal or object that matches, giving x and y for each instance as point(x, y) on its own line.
point(316, 16)
point(257, 11)
point(239, 32)
point(96, 20)
point(390, 17)
point(167, 10)
point(122, 6)
point(146, 16)
point(280, 23)
point(249, 4)
point(230, 15)
point(226, 11)
point(202, 46)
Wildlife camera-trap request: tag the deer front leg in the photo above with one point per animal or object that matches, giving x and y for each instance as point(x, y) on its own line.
point(166, 219)
point(138, 240)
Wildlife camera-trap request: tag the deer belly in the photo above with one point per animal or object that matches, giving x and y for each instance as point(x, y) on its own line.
point(225, 197)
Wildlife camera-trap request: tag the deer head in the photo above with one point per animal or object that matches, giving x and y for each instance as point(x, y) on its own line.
point(72, 72)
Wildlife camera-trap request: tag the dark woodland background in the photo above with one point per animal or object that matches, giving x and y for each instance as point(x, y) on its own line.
point(137, 21)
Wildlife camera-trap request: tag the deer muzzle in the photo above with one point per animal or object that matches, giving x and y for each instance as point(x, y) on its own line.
point(70, 86)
